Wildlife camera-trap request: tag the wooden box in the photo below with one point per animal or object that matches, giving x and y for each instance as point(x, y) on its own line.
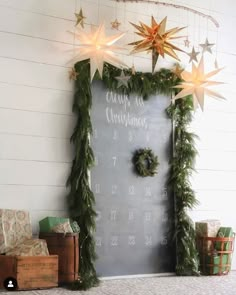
point(66, 246)
point(31, 272)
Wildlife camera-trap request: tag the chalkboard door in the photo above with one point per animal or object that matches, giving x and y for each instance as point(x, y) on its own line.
point(134, 214)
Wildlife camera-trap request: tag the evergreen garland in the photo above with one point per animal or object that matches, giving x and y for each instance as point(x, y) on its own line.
point(81, 200)
point(182, 166)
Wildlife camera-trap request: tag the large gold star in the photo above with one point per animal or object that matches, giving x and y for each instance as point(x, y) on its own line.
point(197, 83)
point(80, 18)
point(99, 48)
point(156, 39)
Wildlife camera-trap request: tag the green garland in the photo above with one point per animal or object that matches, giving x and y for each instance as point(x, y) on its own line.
point(145, 162)
point(81, 199)
point(182, 166)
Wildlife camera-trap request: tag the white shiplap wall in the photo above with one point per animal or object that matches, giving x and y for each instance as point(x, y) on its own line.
point(35, 106)
point(36, 96)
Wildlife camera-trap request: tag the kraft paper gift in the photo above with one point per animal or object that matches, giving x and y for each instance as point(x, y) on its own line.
point(46, 224)
point(15, 227)
point(32, 247)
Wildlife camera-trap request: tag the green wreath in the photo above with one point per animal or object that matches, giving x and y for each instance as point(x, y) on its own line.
point(145, 162)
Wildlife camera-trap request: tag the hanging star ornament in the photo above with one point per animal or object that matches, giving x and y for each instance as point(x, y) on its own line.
point(186, 42)
point(207, 46)
point(156, 39)
point(115, 24)
point(98, 48)
point(122, 80)
point(177, 70)
point(196, 83)
point(73, 74)
point(80, 18)
point(193, 55)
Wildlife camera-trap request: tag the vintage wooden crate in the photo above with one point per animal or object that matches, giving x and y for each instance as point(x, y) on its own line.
point(31, 272)
point(66, 246)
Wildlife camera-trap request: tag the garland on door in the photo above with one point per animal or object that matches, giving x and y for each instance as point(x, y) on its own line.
point(81, 199)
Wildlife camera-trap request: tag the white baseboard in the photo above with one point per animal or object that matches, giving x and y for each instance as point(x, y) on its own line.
point(165, 274)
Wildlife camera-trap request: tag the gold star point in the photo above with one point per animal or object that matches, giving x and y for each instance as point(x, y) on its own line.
point(115, 24)
point(73, 74)
point(156, 39)
point(80, 18)
point(177, 70)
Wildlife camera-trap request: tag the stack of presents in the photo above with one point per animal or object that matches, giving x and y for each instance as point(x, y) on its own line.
point(215, 246)
point(42, 262)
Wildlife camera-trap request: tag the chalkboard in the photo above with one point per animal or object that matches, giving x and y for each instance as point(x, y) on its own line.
point(134, 214)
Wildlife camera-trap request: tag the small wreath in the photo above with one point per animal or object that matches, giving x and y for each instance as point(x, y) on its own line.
point(145, 162)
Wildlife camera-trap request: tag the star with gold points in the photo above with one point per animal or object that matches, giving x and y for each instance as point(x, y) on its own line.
point(193, 55)
point(207, 46)
point(177, 70)
point(73, 74)
point(122, 80)
point(115, 24)
point(156, 39)
point(196, 83)
point(186, 42)
point(80, 18)
point(98, 48)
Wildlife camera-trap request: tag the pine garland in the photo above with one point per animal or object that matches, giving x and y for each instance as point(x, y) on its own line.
point(182, 166)
point(81, 199)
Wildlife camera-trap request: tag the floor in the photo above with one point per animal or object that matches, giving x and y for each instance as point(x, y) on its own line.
point(169, 285)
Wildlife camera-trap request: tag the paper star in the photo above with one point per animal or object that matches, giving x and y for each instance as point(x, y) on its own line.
point(197, 83)
point(133, 70)
point(122, 79)
point(156, 39)
point(99, 48)
point(73, 74)
point(177, 70)
point(186, 42)
point(115, 24)
point(193, 55)
point(207, 46)
point(80, 18)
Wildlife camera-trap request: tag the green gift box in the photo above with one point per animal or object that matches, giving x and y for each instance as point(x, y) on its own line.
point(213, 264)
point(224, 232)
point(46, 224)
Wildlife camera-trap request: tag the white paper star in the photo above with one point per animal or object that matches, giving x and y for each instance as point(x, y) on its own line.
point(99, 48)
point(122, 79)
point(196, 83)
point(207, 46)
point(193, 55)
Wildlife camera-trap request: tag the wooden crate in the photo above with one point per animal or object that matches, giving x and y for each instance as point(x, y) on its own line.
point(31, 272)
point(66, 246)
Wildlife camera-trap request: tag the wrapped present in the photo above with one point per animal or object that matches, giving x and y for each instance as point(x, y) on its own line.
point(224, 232)
point(207, 228)
point(46, 224)
point(62, 228)
point(217, 264)
point(31, 247)
point(15, 227)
